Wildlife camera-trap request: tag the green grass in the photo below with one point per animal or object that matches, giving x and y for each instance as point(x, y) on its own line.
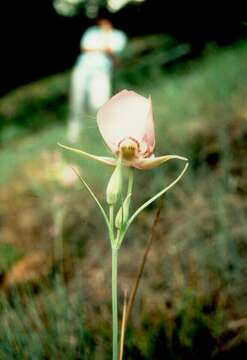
point(52, 327)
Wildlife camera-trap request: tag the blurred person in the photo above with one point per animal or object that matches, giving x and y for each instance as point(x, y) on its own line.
point(91, 76)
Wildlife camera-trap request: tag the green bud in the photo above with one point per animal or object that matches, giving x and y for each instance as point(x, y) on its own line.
point(114, 186)
point(123, 213)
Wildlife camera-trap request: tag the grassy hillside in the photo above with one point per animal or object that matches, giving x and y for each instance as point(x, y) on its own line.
point(54, 254)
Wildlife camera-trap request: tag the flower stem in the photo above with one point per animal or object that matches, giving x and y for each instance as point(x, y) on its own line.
point(114, 305)
point(131, 180)
point(111, 219)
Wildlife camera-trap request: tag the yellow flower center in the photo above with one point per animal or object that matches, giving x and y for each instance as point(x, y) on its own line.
point(128, 149)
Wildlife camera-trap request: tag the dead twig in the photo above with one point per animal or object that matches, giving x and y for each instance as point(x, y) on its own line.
point(123, 325)
point(129, 306)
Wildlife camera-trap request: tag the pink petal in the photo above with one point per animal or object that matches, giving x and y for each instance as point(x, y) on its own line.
point(149, 136)
point(125, 115)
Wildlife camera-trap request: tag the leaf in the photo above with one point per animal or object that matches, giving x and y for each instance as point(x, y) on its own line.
point(97, 202)
point(147, 203)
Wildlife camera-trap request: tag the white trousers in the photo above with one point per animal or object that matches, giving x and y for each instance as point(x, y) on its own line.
point(90, 87)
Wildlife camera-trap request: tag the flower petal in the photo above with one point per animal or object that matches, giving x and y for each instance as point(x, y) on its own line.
point(125, 115)
point(149, 136)
point(103, 159)
point(150, 163)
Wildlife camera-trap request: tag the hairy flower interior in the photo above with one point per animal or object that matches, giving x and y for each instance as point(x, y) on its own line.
point(128, 149)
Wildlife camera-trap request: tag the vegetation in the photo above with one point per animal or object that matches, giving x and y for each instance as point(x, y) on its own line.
point(54, 255)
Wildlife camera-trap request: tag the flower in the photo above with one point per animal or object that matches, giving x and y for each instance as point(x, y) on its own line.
point(126, 124)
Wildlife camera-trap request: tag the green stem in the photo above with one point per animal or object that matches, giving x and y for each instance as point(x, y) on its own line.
point(111, 214)
point(131, 180)
point(111, 221)
point(129, 192)
point(114, 305)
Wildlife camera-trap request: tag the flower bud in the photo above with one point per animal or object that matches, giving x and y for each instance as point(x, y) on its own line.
point(114, 186)
point(123, 213)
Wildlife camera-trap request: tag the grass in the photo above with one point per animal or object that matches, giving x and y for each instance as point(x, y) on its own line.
point(193, 284)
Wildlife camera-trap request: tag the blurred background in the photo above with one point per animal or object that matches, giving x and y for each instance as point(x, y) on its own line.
point(55, 261)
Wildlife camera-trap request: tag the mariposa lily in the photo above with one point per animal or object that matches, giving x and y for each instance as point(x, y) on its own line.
point(127, 127)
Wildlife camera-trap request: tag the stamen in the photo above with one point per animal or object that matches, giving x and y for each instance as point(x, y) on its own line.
point(128, 149)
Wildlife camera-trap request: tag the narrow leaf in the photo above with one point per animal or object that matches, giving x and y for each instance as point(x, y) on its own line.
point(147, 203)
point(95, 199)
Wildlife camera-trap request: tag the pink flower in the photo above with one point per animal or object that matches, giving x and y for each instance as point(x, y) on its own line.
point(126, 124)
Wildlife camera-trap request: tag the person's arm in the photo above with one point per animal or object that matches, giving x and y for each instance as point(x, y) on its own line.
point(118, 43)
